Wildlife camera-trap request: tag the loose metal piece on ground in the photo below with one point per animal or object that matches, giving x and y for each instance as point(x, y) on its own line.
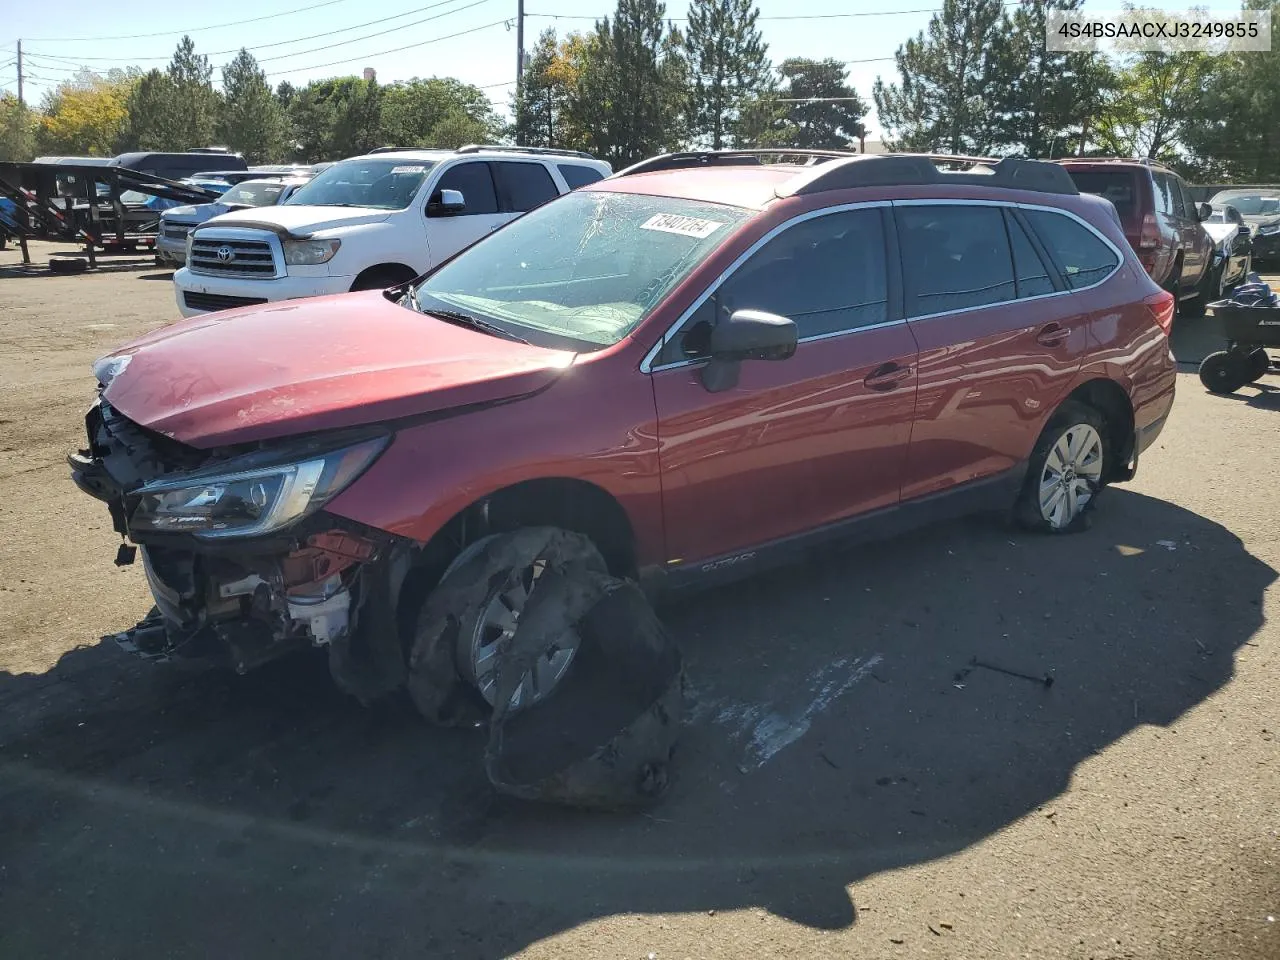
point(1045, 681)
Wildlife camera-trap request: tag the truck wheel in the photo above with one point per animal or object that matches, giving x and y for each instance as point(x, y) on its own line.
point(1225, 371)
point(68, 265)
point(1066, 471)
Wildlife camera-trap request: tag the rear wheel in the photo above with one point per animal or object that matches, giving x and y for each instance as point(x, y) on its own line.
point(1226, 371)
point(1261, 364)
point(1066, 472)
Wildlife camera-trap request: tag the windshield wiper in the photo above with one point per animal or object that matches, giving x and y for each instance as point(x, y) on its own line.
point(467, 320)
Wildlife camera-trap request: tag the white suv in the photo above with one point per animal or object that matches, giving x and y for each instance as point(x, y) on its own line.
point(371, 222)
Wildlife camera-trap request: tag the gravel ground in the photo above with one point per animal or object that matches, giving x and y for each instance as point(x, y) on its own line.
point(839, 791)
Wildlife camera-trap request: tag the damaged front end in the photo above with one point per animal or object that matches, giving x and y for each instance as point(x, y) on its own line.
point(525, 630)
point(243, 564)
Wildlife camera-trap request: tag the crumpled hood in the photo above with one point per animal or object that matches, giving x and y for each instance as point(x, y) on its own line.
point(298, 366)
point(302, 219)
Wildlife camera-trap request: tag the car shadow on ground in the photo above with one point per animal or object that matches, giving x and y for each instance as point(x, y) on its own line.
point(39, 268)
point(836, 728)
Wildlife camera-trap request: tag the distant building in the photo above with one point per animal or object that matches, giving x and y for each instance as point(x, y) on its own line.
point(370, 73)
point(873, 146)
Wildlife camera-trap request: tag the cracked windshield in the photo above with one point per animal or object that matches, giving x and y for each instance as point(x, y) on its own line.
point(587, 268)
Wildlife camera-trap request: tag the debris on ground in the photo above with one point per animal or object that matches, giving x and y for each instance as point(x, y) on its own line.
point(1044, 680)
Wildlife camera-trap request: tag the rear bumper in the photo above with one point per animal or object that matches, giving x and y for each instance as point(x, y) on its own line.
point(226, 290)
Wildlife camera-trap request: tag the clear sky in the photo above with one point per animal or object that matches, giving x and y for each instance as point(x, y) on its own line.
point(473, 40)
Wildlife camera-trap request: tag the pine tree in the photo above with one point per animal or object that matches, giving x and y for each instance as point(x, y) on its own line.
point(1041, 102)
point(728, 62)
point(820, 110)
point(542, 95)
point(252, 121)
point(629, 93)
point(152, 114)
point(197, 104)
point(946, 78)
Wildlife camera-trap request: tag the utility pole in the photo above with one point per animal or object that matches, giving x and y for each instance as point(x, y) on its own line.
point(519, 64)
point(22, 102)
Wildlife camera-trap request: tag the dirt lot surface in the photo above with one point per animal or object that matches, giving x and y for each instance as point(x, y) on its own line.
point(838, 792)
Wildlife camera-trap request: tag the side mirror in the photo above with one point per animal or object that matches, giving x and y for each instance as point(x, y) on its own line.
point(746, 335)
point(446, 203)
point(1204, 211)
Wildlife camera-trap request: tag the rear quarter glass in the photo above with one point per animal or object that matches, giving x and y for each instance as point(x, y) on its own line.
point(1122, 186)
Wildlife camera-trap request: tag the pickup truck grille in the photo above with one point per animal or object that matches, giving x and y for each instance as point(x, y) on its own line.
point(176, 231)
point(251, 259)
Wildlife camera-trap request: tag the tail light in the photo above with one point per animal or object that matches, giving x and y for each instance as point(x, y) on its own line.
point(1162, 306)
point(1149, 235)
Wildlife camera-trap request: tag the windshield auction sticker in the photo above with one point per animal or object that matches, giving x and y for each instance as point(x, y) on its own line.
point(408, 168)
point(685, 226)
point(1133, 31)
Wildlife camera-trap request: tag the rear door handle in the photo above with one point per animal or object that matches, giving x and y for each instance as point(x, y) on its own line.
point(887, 376)
point(1052, 335)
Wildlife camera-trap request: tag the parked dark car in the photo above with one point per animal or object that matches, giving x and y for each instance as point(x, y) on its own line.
point(1232, 249)
point(178, 166)
point(1161, 223)
point(1260, 209)
point(702, 364)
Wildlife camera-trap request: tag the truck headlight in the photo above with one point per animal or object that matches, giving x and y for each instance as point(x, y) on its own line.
point(309, 253)
point(242, 498)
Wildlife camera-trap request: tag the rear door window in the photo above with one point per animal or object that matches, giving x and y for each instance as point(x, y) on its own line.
point(1029, 270)
point(475, 183)
point(1083, 258)
point(576, 175)
point(523, 186)
point(954, 257)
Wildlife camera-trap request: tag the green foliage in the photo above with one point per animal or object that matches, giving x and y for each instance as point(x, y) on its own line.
point(438, 112)
point(545, 90)
point(946, 76)
point(17, 129)
point(821, 110)
point(194, 115)
point(1150, 109)
point(336, 118)
point(252, 121)
point(151, 114)
point(630, 92)
point(1042, 103)
point(728, 65)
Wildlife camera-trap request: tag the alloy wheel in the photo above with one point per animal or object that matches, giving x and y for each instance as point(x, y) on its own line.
point(1072, 472)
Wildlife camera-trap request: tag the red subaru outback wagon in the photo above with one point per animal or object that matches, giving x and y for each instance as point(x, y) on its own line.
point(695, 367)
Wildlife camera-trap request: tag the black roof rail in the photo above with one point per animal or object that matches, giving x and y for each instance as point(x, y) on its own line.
point(898, 169)
point(549, 151)
point(708, 158)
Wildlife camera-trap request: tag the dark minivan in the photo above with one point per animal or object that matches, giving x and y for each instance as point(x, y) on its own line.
point(1160, 221)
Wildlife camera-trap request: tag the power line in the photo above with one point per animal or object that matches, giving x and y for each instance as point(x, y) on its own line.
point(281, 43)
point(382, 53)
point(370, 36)
point(789, 16)
point(176, 33)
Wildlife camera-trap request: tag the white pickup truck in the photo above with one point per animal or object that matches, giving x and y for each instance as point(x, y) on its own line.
point(370, 222)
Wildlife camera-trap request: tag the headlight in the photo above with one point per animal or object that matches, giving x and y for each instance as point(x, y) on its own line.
point(232, 502)
point(1269, 229)
point(309, 253)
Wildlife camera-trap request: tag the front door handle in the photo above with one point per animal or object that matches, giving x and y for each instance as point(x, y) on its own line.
point(887, 376)
point(1052, 335)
